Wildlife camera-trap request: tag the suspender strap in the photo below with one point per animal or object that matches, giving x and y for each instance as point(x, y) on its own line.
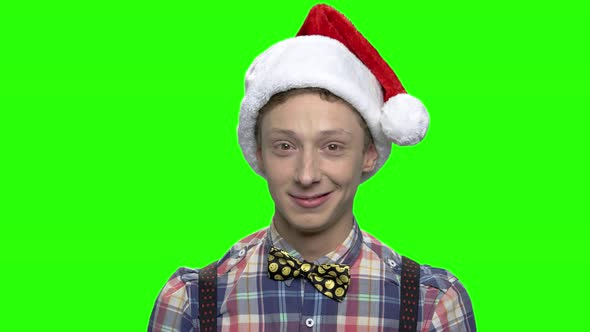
point(410, 294)
point(208, 298)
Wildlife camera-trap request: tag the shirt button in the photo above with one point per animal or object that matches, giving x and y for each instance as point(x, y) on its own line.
point(242, 252)
point(309, 322)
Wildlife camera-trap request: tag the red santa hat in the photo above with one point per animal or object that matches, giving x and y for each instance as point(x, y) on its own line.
point(329, 52)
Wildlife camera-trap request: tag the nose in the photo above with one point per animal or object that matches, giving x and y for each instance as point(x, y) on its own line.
point(308, 170)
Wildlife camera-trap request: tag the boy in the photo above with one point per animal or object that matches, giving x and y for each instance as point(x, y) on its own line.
point(314, 124)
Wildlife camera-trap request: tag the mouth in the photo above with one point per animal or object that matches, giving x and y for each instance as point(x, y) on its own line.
point(311, 201)
point(309, 196)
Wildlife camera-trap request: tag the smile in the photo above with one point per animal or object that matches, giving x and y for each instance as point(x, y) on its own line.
point(311, 202)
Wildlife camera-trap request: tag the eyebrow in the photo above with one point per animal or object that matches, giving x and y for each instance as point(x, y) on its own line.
point(323, 133)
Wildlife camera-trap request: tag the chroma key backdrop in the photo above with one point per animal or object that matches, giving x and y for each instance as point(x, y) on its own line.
point(119, 159)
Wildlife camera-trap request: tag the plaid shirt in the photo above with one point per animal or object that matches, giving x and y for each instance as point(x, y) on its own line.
point(249, 301)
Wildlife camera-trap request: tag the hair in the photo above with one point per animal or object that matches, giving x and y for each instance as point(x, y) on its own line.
point(324, 94)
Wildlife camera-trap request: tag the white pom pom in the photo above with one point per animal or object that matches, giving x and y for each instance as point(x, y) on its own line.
point(404, 119)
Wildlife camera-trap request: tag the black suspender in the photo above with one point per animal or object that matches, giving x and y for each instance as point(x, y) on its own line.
point(208, 298)
point(409, 297)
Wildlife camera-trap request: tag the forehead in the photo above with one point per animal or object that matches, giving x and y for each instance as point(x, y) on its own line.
point(309, 113)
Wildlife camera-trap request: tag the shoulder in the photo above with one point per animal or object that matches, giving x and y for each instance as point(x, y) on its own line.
point(430, 276)
point(242, 248)
point(446, 306)
point(177, 304)
point(176, 284)
point(172, 310)
point(241, 251)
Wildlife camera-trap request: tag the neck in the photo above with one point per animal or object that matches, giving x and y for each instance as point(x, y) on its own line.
point(314, 244)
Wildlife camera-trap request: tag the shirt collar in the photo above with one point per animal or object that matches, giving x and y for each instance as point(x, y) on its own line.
point(345, 253)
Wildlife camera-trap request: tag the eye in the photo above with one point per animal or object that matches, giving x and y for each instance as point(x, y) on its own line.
point(334, 147)
point(282, 146)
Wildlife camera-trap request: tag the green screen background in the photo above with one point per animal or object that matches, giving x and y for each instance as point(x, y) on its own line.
point(119, 157)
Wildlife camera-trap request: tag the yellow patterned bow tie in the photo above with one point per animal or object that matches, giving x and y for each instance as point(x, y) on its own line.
point(329, 279)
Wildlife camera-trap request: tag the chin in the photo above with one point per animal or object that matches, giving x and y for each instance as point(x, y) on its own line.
point(308, 223)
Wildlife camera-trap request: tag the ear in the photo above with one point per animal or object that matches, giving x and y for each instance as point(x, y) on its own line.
point(370, 158)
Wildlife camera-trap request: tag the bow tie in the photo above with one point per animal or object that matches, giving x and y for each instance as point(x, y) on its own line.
point(329, 279)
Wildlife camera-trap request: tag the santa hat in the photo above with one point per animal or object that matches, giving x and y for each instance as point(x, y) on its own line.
point(329, 52)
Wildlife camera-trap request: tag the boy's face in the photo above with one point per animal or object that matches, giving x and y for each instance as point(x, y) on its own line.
point(310, 146)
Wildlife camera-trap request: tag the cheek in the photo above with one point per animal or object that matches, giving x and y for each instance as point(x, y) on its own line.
point(342, 170)
point(278, 171)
